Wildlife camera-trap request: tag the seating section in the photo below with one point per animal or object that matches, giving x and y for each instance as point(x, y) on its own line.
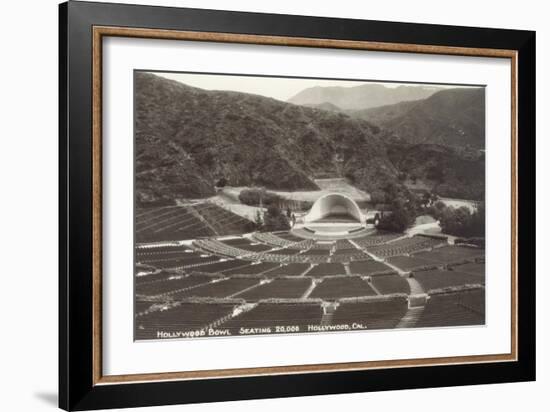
point(349, 256)
point(343, 244)
point(222, 266)
point(283, 252)
point(219, 248)
point(376, 239)
point(281, 256)
point(196, 268)
point(342, 287)
point(437, 279)
point(235, 241)
point(253, 269)
point(454, 309)
point(169, 223)
point(223, 221)
point(392, 283)
point(327, 269)
point(303, 245)
point(222, 289)
point(185, 317)
point(163, 251)
point(284, 256)
point(160, 287)
point(405, 246)
point(451, 254)
point(316, 252)
point(178, 261)
point(471, 268)
point(292, 269)
point(141, 306)
point(173, 257)
point(293, 317)
point(369, 267)
point(373, 314)
point(153, 277)
point(152, 248)
point(282, 288)
point(246, 244)
point(408, 263)
point(345, 251)
point(274, 240)
point(288, 236)
point(322, 245)
point(187, 222)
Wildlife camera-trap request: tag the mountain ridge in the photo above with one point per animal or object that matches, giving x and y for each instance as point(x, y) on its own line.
point(362, 96)
point(451, 117)
point(188, 138)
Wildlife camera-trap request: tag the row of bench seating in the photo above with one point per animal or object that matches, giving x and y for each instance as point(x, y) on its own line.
point(271, 239)
point(405, 246)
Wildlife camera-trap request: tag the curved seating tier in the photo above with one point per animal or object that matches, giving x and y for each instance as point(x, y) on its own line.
point(437, 279)
point(377, 239)
point(220, 248)
point(271, 239)
point(452, 254)
point(349, 256)
point(391, 283)
point(405, 246)
point(373, 314)
point(337, 287)
point(454, 309)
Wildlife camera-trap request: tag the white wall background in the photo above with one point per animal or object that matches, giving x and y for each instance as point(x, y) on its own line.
point(28, 207)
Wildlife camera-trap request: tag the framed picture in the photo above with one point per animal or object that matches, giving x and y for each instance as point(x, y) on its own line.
point(257, 205)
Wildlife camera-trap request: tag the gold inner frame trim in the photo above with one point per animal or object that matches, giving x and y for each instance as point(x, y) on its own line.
point(102, 31)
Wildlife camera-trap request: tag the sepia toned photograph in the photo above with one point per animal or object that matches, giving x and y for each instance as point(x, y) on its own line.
point(274, 205)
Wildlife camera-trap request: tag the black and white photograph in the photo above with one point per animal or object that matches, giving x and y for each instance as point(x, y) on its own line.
point(281, 205)
point(245, 206)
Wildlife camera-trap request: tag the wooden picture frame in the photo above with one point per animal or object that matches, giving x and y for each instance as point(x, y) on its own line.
point(82, 384)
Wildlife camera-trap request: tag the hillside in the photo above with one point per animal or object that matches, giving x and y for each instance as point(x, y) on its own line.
point(361, 97)
point(188, 138)
point(325, 106)
point(441, 169)
point(452, 117)
point(384, 114)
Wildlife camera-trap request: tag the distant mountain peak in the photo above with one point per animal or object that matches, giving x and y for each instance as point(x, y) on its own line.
point(362, 96)
point(453, 117)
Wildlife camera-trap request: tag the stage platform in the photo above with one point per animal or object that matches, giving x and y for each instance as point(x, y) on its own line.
point(332, 231)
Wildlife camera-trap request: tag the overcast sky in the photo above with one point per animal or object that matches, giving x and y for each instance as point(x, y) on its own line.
point(276, 87)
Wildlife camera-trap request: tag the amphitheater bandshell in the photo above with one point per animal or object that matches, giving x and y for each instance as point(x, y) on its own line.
point(334, 204)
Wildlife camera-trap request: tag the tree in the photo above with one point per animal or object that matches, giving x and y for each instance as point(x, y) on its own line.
point(400, 218)
point(462, 222)
point(258, 220)
point(404, 206)
point(275, 220)
point(221, 182)
point(428, 199)
point(478, 220)
point(435, 173)
point(350, 176)
point(377, 196)
point(396, 221)
point(455, 221)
